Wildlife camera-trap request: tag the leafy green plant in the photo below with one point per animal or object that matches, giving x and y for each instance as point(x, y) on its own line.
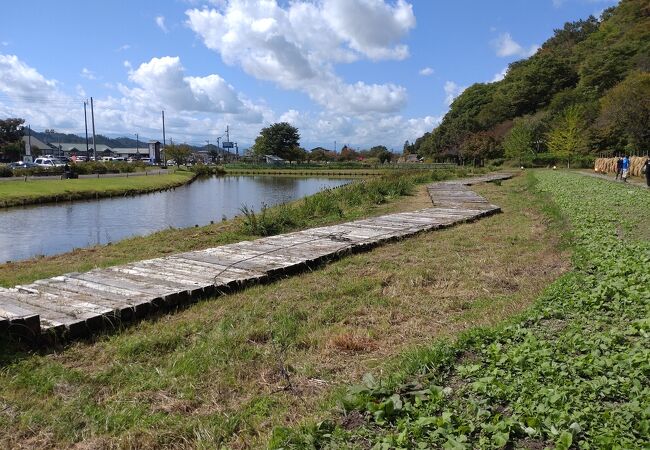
point(574, 371)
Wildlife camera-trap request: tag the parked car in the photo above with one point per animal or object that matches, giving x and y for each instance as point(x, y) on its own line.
point(49, 162)
point(21, 165)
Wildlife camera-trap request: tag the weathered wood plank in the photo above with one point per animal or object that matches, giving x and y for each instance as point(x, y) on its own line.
point(82, 302)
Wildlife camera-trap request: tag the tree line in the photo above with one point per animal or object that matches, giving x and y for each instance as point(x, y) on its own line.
point(283, 140)
point(585, 91)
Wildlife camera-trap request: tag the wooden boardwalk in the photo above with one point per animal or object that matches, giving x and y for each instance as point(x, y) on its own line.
point(77, 304)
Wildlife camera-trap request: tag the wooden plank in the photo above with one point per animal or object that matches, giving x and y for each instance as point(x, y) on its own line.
point(81, 302)
point(15, 317)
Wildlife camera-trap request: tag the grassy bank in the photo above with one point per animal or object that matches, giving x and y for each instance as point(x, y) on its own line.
point(371, 197)
point(573, 372)
point(354, 170)
point(15, 193)
point(226, 371)
point(301, 171)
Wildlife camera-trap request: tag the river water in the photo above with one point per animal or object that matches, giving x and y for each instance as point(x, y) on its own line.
point(30, 231)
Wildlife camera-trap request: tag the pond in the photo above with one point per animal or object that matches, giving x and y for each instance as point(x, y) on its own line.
point(30, 231)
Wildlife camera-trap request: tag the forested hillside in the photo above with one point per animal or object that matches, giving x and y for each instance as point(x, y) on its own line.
point(585, 91)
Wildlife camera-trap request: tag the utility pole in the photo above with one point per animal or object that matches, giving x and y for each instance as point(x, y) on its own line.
point(334, 147)
point(28, 151)
point(137, 145)
point(86, 126)
point(227, 139)
point(92, 119)
point(164, 144)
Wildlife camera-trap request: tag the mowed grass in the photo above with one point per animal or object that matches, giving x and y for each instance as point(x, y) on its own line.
point(573, 371)
point(228, 370)
point(25, 192)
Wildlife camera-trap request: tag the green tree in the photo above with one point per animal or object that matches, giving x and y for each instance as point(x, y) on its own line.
point(518, 143)
point(11, 130)
point(479, 146)
point(179, 153)
point(11, 133)
point(296, 154)
point(568, 137)
point(279, 139)
point(626, 107)
point(321, 154)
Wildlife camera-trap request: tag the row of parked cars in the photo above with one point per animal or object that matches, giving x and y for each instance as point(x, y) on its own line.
point(61, 161)
point(46, 161)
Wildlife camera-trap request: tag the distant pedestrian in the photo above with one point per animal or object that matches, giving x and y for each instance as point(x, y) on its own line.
point(625, 165)
point(646, 170)
point(619, 167)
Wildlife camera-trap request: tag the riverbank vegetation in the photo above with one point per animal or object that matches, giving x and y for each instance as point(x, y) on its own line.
point(363, 198)
point(572, 372)
point(225, 372)
point(16, 193)
point(585, 92)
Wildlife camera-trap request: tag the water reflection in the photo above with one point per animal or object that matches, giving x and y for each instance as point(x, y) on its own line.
point(51, 229)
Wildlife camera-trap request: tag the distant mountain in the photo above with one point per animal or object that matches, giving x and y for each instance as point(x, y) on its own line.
point(120, 142)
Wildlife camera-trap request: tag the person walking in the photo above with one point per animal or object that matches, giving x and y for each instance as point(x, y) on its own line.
point(646, 170)
point(619, 167)
point(626, 168)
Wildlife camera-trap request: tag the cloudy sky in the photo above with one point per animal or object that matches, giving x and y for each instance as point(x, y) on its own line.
point(358, 72)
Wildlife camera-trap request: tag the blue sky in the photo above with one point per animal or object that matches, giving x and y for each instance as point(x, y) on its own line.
point(358, 72)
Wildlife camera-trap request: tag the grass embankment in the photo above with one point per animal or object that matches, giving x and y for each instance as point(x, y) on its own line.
point(573, 372)
point(225, 371)
point(370, 197)
point(15, 193)
point(336, 169)
point(300, 171)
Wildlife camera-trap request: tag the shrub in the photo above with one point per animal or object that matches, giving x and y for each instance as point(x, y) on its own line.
point(5, 172)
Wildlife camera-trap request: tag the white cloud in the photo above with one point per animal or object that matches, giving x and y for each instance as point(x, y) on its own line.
point(371, 27)
point(195, 105)
point(505, 46)
point(4, 43)
point(88, 74)
point(452, 90)
point(499, 76)
point(362, 131)
point(123, 48)
point(297, 46)
point(426, 71)
point(160, 21)
point(28, 94)
point(18, 79)
point(162, 82)
point(196, 108)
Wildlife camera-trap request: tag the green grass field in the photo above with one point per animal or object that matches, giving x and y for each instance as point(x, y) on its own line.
point(227, 371)
point(572, 372)
point(14, 193)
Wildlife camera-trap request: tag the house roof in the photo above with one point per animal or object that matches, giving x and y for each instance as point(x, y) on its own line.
point(80, 146)
point(274, 158)
point(129, 150)
point(36, 143)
